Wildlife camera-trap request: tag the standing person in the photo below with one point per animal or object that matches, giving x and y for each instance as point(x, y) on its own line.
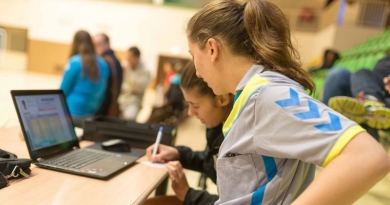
point(276, 133)
point(85, 79)
point(135, 80)
point(110, 105)
point(211, 110)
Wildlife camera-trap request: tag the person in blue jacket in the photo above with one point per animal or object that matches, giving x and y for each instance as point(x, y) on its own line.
point(85, 79)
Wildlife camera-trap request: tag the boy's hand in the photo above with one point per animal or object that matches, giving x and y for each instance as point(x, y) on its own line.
point(164, 153)
point(386, 81)
point(179, 180)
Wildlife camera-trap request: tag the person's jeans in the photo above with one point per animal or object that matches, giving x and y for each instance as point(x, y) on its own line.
point(371, 83)
point(341, 82)
point(337, 83)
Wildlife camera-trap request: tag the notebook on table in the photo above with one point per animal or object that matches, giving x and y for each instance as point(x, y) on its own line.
point(51, 141)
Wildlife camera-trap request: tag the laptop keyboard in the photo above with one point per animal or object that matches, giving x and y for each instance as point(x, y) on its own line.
point(77, 159)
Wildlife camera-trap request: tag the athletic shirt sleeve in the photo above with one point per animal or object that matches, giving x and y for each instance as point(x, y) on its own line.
point(291, 124)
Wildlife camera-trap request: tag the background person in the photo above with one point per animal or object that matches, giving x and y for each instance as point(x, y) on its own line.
point(85, 79)
point(135, 80)
point(361, 96)
point(110, 105)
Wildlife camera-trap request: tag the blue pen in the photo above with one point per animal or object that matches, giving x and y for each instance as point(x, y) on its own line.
point(158, 139)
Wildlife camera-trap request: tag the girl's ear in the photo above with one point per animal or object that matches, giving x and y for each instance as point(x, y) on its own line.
point(214, 48)
point(223, 100)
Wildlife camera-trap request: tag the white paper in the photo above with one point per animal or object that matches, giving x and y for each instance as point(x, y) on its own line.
point(151, 164)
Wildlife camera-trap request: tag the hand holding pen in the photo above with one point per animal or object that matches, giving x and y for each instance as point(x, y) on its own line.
point(158, 139)
point(163, 153)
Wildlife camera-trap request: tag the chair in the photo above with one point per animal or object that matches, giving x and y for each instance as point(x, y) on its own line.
point(360, 63)
point(352, 65)
point(370, 61)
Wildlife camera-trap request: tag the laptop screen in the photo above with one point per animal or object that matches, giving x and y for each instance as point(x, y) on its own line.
point(45, 120)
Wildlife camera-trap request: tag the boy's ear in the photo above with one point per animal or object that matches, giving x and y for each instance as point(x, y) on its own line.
point(223, 100)
point(214, 47)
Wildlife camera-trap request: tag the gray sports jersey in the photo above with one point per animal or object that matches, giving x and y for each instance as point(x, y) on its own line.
point(274, 137)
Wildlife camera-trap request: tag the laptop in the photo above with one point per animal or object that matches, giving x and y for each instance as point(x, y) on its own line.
point(52, 142)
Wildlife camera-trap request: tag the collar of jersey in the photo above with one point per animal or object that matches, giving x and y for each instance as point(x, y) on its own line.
point(241, 99)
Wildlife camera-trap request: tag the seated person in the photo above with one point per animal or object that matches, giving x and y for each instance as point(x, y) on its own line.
point(171, 68)
point(211, 110)
point(330, 57)
point(171, 112)
point(85, 79)
point(135, 80)
point(174, 96)
point(363, 96)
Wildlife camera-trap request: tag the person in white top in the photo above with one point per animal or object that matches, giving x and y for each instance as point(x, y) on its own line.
point(135, 80)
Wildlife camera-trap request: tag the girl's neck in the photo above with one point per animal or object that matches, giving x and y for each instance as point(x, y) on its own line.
point(236, 68)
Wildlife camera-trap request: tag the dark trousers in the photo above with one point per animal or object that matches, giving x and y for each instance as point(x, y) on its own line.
point(341, 82)
point(337, 83)
point(371, 83)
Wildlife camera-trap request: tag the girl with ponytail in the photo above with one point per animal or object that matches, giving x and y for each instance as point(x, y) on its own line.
point(85, 79)
point(276, 133)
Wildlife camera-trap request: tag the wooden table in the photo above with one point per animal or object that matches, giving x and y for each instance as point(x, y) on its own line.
point(131, 186)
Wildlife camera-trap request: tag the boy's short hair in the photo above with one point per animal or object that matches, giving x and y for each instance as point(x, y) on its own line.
point(189, 81)
point(105, 37)
point(136, 52)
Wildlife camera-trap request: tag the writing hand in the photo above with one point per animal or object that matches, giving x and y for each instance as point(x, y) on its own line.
point(179, 180)
point(164, 153)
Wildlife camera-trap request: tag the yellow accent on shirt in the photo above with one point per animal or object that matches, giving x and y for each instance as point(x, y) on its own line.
point(254, 83)
point(342, 142)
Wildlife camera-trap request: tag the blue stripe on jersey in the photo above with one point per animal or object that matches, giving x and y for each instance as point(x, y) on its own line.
point(270, 167)
point(292, 101)
point(237, 95)
point(271, 170)
point(334, 124)
point(313, 113)
point(257, 197)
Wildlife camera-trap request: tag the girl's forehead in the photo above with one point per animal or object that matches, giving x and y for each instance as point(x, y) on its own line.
point(193, 93)
point(196, 95)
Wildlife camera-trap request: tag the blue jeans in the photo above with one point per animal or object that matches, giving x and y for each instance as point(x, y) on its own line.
point(371, 83)
point(341, 82)
point(337, 83)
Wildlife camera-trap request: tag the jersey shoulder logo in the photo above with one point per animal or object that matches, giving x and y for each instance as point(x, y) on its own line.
point(313, 113)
